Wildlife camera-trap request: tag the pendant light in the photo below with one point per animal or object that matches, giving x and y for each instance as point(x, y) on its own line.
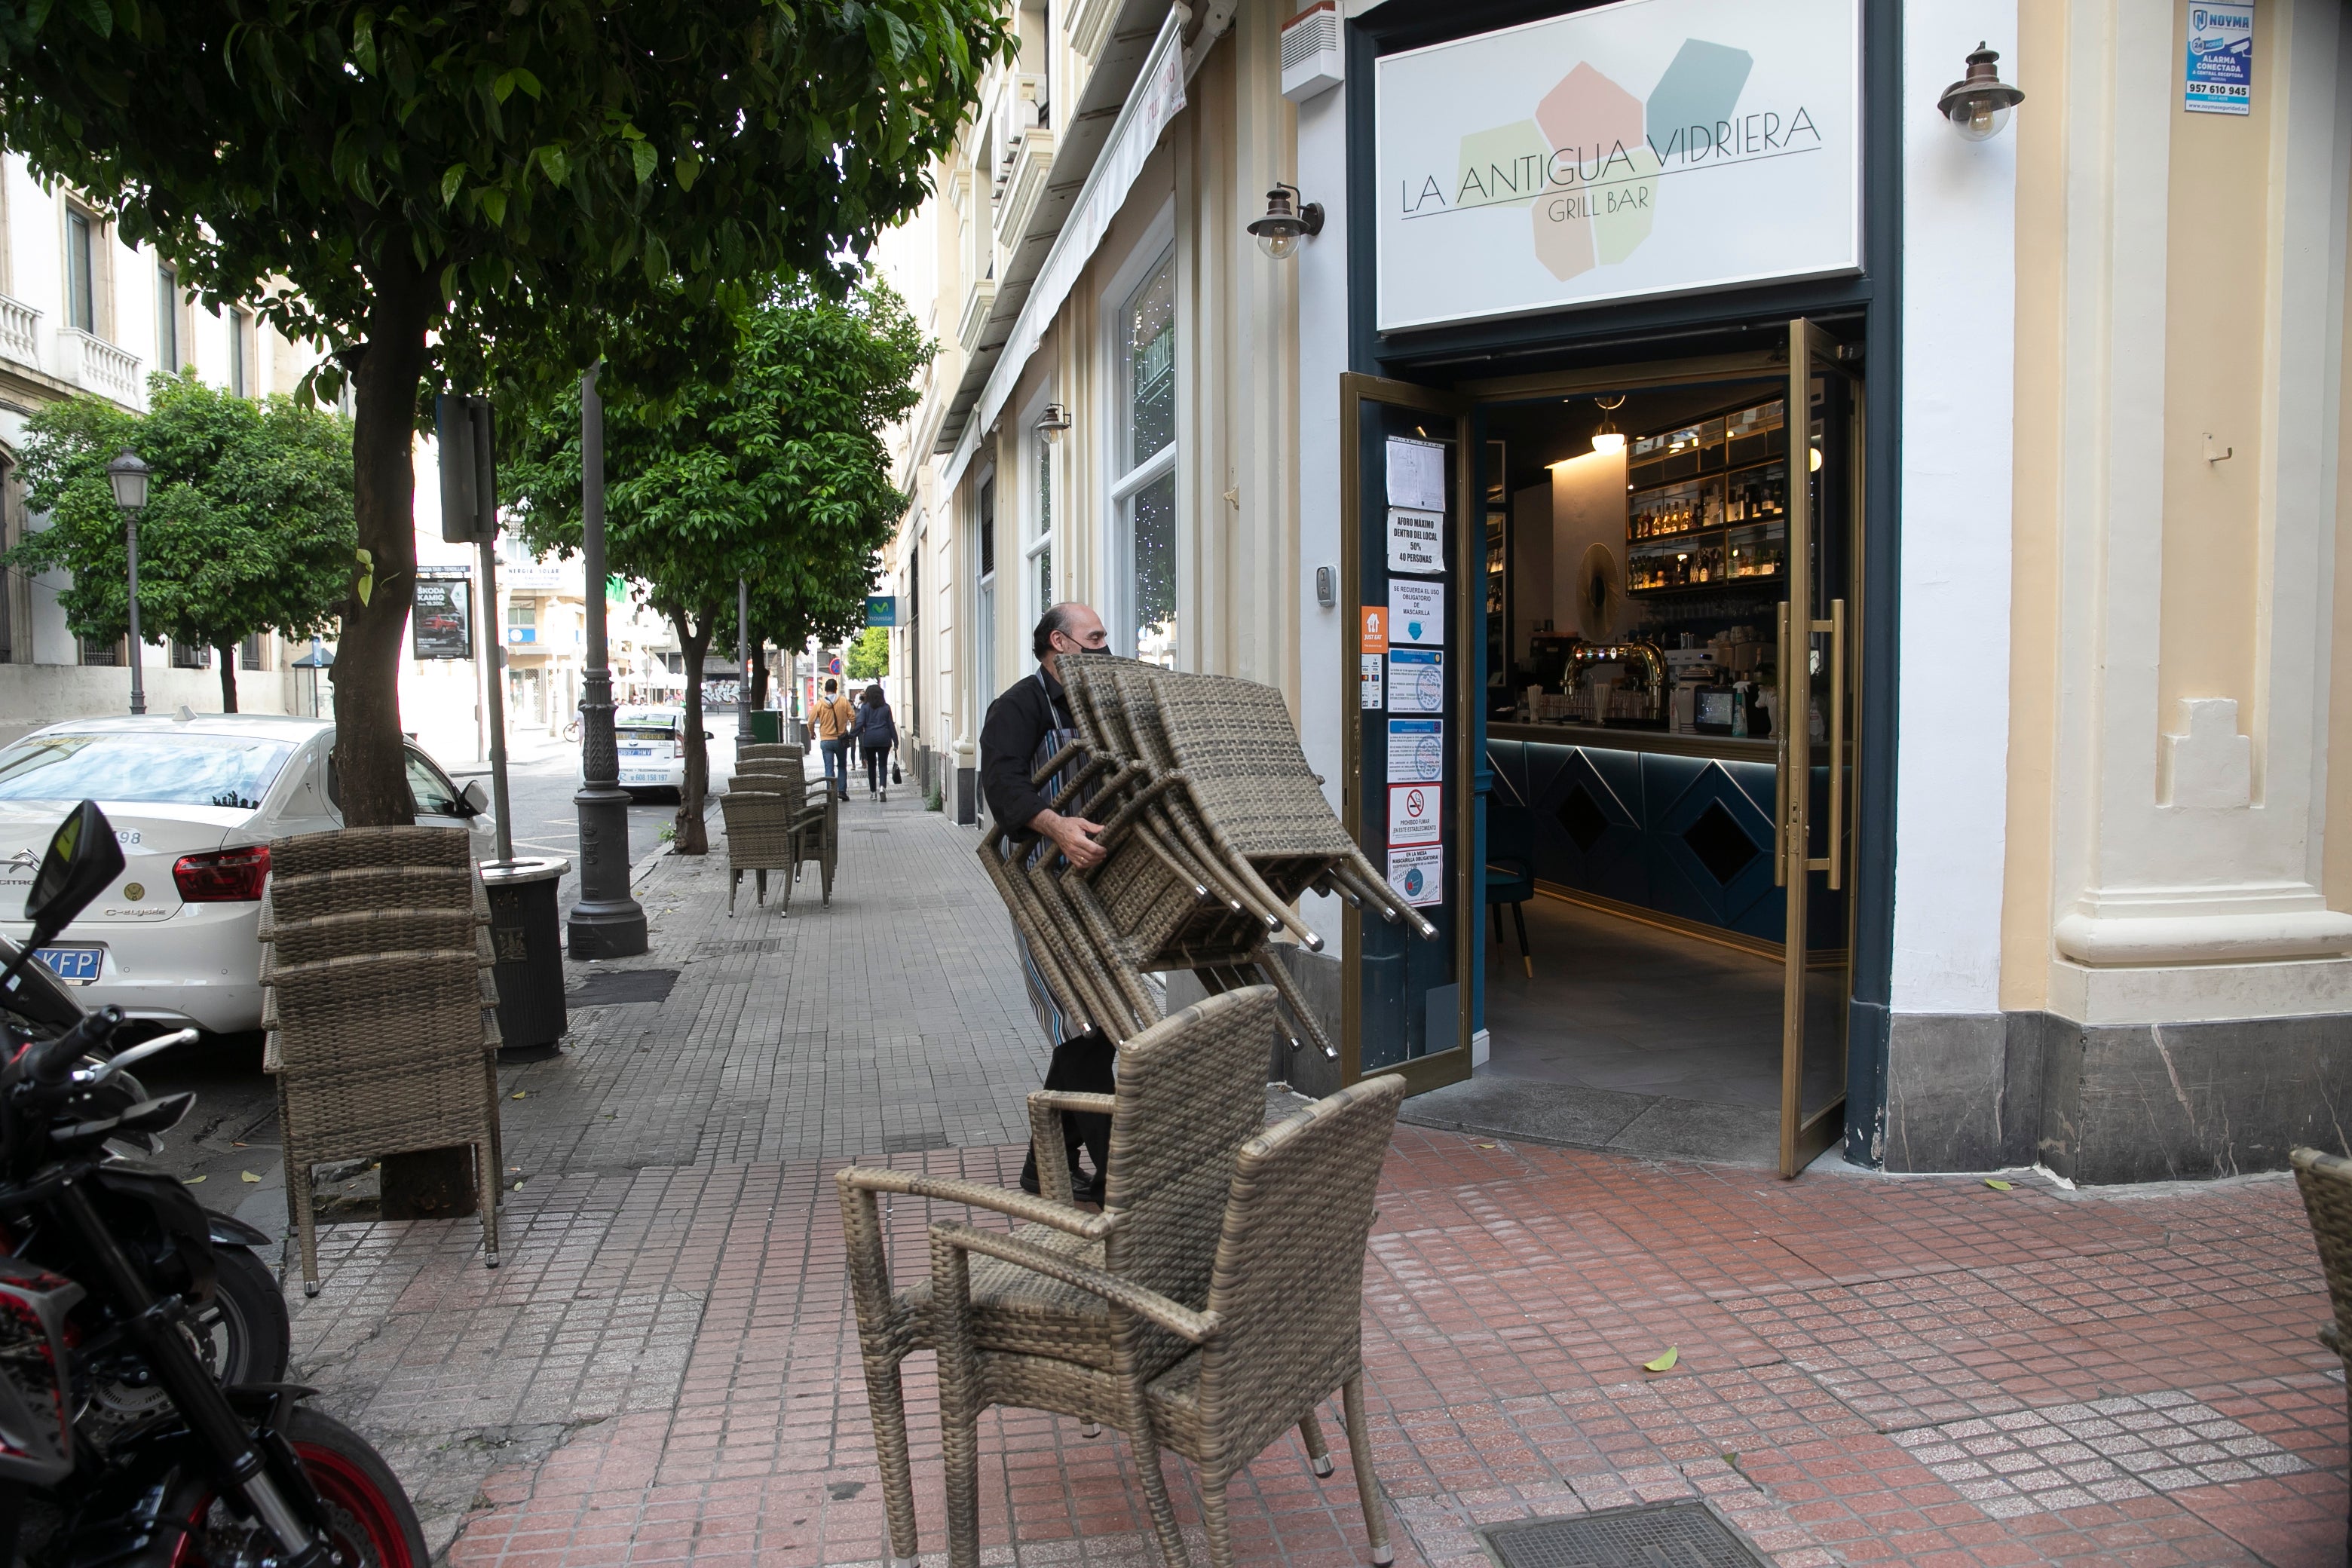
point(1609, 438)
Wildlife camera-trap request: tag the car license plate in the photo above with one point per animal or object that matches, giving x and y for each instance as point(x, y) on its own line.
point(636, 750)
point(73, 966)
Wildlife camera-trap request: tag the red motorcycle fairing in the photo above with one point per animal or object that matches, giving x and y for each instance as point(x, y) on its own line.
point(36, 1403)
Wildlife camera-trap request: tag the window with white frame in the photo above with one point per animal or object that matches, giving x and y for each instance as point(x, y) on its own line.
point(81, 271)
point(1143, 495)
point(240, 373)
point(167, 318)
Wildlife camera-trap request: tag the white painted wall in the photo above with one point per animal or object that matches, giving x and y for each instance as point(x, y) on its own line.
point(1952, 719)
point(1327, 652)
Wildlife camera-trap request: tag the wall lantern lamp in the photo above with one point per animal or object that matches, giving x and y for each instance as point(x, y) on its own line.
point(1285, 222)
point(1978, 105)
point(1609, 438)
point(1053, 421)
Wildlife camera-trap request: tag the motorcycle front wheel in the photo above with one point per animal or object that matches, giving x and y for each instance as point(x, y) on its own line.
point(367, 1509)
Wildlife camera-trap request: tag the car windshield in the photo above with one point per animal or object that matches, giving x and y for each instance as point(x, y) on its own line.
point(145, 766)
point(647, 719)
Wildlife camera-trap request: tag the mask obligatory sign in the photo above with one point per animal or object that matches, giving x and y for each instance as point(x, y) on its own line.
point(1647, 147)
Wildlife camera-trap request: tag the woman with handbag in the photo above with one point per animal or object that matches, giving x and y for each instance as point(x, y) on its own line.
point(876, 733)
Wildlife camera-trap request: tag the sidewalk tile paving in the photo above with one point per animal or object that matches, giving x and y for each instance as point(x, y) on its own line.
point(1871, 1370)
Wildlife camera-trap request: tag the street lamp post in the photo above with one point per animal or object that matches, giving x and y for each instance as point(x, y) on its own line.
point(606, 922)
point(129, 476)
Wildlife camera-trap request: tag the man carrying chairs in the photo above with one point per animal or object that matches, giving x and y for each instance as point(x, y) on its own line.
point(1027, 727)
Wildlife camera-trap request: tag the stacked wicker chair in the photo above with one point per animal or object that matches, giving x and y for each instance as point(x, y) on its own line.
point(1216, 1373)
point(1200, 868)
point(772, 825)
point(1189, 1098)
point(380, 1008)
point(2326, 1181)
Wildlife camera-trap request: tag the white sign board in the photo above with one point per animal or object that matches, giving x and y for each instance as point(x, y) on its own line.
point(1418, 875)
point(1414, 813)
point(1373, 697)
point(1647, 147)
point(1416, 751)
point(1416, 613)
point(1416, 681)
point(1416, 541)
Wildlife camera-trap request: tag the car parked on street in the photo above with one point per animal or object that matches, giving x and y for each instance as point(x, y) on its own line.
point(651, 743)
point(194, 804)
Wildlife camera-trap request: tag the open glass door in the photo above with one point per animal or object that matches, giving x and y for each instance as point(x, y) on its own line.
point(1413, 595)
point(1814, 725)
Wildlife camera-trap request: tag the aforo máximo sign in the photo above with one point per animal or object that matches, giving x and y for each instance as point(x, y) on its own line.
point(1648, 147)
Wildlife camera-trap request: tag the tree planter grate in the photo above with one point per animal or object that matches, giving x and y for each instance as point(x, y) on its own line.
point(1647, 1535)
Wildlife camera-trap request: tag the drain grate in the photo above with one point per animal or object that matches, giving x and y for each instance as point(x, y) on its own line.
point(1647, 1535)
point(614, 987)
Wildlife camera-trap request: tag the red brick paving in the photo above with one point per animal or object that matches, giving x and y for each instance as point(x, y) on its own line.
point(1512, 1294)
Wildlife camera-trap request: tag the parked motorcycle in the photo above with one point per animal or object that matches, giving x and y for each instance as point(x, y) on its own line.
point(211, 1477)
point(240, 1327)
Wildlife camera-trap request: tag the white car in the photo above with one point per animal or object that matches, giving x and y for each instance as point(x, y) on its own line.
point(652, 749)
point(195, 803)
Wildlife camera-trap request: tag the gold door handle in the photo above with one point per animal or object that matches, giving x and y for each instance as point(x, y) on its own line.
point(1835, 862)
point(1780, 792)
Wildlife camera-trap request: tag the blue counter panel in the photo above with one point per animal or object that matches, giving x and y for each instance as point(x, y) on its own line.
point(1688, 836)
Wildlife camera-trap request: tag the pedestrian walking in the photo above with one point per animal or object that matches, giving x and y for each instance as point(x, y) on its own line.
point(834, 718)
point(1026, 728)
point(876, 733)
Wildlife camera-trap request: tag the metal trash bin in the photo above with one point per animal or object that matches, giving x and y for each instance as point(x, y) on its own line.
point(767, 726)
point(526, 939)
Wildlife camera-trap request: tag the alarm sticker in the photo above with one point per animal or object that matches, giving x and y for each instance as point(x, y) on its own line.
point(1416, 751)
point(1418, 875)
point(1416, 681)
point(1415, 813)
point(1416, 612)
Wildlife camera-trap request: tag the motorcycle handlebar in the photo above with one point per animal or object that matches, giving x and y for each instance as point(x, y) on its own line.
point(53, 1060)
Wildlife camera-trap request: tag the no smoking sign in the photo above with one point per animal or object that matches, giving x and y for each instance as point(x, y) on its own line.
point(1414, 813)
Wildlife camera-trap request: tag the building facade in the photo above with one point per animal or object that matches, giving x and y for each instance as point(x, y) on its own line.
point(83, 313)
point(1858, 585)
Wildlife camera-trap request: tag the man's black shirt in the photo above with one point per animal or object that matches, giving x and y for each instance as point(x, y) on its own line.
point(1018, 722)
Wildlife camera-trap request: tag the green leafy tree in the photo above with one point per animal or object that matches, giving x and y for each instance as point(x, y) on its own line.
point(773, 470)
point(249, 525)
point(788, 615)
point(421, 187)
point(870, 654)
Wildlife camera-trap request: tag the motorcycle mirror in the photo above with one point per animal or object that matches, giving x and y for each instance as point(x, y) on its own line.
point(82, 859)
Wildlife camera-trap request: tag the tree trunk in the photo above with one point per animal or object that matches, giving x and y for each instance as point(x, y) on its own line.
point(228, 652)
point(368, 752)
point(758, 673)
point(696, 790)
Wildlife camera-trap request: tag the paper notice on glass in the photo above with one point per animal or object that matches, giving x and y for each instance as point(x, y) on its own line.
point(1417, 542)
point(1373, 698)
point(1416, 751)
point(1416, 612)
point(1414, 813)
point(1418, 875)
point(1417, 680)
point(1416, 474)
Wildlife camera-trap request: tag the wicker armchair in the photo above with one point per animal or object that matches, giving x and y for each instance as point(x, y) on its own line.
point(1189, 1095)
point(1279, 1331)
point(762, 835)
point(768, 751)
point(380, 1008)
point(2326, 1181)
